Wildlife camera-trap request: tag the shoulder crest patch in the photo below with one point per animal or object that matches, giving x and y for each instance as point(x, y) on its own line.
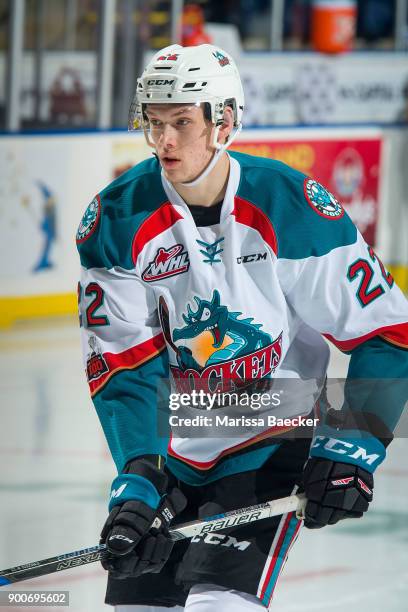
point(89, 221)
point(322, 201)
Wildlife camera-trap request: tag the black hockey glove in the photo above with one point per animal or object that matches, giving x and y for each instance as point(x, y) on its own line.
point(137, 537)
point(335, 491)
point(136, 533)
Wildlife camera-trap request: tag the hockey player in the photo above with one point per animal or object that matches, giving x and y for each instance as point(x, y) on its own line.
point(216, 268)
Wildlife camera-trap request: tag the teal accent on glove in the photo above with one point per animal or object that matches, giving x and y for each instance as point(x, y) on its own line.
point(128, 487)
point(355, 447)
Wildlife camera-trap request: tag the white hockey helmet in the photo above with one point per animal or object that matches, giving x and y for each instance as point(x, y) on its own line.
point(179, 75)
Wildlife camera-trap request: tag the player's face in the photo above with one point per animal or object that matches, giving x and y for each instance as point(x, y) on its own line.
point(182, 139)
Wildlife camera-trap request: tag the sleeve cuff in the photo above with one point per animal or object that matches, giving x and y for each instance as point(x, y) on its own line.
point(126, 487)
point(352, 446)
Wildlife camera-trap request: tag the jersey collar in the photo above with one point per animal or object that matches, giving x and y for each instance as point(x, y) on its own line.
point(228, 205)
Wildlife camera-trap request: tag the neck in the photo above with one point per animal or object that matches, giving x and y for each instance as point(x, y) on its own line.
point(211, 189)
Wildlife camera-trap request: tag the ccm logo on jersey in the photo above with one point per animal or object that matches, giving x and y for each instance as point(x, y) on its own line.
point(340, 447)
point(166, 263)
point(221, 540)
point(249, 258)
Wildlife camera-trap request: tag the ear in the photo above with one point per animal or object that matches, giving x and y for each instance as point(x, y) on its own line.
point(227, 126)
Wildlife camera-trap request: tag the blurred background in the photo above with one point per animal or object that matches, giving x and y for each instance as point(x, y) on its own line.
point(326, 87)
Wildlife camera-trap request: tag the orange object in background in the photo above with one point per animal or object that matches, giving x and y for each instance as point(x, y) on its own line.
point(333, 25)
point(192, 26)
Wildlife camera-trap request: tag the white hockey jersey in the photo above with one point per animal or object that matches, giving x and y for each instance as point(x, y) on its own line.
point(214, 307)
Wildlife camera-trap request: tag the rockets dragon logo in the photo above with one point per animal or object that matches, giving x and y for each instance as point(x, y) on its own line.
point(322, 201)
point(89, 220)
point(218, 351)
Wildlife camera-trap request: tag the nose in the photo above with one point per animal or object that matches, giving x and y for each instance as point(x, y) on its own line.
point(168, 137)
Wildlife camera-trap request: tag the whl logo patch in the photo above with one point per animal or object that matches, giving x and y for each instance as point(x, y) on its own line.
point(167, 262)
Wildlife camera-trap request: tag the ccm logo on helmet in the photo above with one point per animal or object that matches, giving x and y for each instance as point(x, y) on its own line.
point(160, 82)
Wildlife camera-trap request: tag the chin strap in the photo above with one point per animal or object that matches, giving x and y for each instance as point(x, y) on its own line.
point(220, 149)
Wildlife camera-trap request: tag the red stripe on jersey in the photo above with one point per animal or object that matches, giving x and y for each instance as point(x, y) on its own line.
point(275, 555)
point(292, 541)
point(273, 558)
point(128, 360)
point(395, 334)
point(156, 223)
point(248, 214)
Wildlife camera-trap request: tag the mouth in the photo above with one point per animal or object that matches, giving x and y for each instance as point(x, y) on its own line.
point(169, 162)
point(215, 330)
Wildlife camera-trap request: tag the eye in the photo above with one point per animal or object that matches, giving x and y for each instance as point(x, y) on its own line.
point(183, 122)
point(206, 314)
point(155, 122)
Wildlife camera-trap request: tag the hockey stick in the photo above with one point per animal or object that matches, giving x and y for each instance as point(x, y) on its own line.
point(233, 518)
point(165, 323)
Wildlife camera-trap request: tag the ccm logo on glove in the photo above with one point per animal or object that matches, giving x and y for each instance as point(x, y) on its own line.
point(333, 445)
point(119, 536)
point(137, 536)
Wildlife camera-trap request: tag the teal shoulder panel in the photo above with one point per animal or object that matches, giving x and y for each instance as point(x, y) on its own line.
point(307, 219)
point(106, 231)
